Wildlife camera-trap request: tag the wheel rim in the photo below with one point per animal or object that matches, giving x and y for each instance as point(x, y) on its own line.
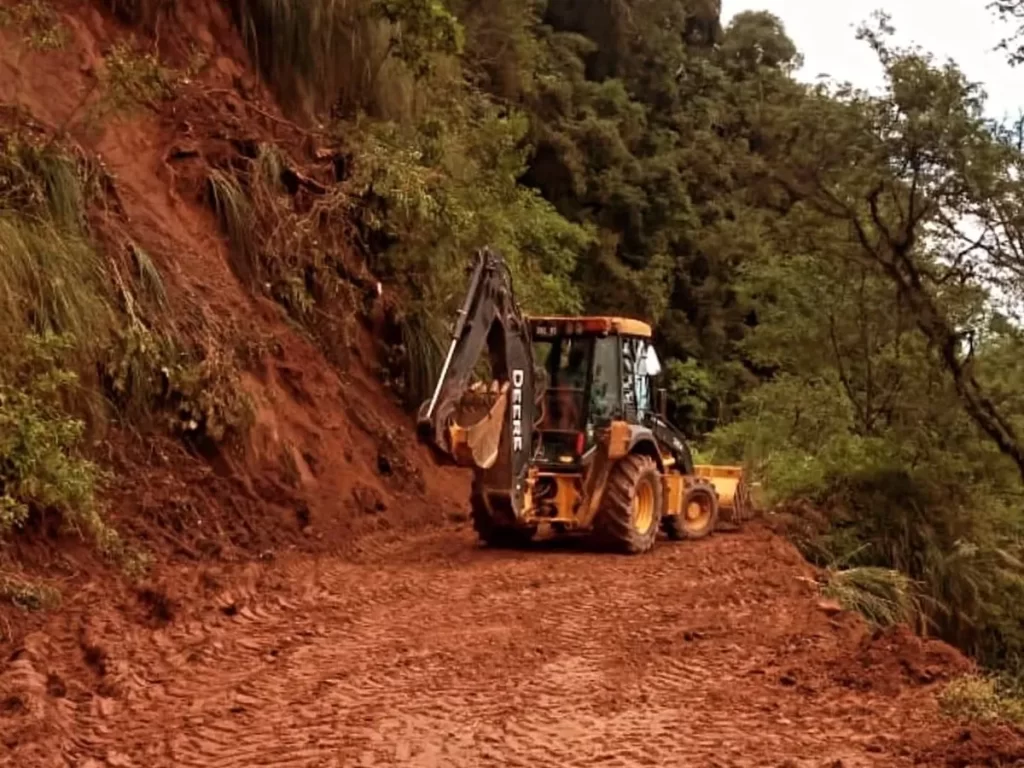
point(643, 508)
point(698, 512)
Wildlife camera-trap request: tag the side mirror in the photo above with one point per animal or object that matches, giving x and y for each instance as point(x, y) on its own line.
point(651, 363)
point(662, 402)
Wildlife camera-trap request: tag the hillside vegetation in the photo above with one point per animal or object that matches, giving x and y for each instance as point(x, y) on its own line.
point(834, 276)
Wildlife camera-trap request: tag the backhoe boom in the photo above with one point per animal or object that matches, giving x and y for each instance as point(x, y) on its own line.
point(499, 442)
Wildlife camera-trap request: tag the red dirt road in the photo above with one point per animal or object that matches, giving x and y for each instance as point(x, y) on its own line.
point(430, 651)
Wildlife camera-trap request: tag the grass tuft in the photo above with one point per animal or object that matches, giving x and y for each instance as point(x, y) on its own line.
point(52, 280)
point(237, 216)
point(151, 283)
point(424, 349)
point(882, 595)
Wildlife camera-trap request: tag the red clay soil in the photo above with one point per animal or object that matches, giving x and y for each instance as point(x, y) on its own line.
point(331, 456)
point(330, 451)
point(315, 601)
point(428, 650)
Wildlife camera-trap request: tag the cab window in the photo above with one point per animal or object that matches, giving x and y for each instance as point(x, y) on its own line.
point(604, 393)
point(566, 361)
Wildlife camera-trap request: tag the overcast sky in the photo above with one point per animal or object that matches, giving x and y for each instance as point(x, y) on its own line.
point(963, 30)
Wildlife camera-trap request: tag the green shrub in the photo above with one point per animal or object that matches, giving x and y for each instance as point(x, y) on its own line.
point(925, 497)
point(295, 253)
point(41, 25)
point(133, 77)
point(41, 465)
point(194, 395)
point(982, 698)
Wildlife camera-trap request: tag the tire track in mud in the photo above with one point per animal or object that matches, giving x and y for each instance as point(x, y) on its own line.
point(432, 652)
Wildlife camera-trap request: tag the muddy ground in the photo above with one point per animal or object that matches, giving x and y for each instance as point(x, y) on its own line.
point(428, 650)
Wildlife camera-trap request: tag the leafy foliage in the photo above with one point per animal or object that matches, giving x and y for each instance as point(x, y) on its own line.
point(133, 78)
point(449, 187)
point(39, 441)
point(40, 23)
point(435, 191)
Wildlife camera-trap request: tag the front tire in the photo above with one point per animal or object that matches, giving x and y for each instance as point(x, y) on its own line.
point(699, 515)
point(631, 509)
point(494, 535)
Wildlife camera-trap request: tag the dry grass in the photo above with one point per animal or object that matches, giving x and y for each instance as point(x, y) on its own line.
point(28, 595)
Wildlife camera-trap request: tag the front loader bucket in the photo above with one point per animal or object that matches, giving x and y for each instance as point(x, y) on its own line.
point(475, 432)
point(730, 483)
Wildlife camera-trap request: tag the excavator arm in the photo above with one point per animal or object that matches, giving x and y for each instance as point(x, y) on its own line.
point(493, 431)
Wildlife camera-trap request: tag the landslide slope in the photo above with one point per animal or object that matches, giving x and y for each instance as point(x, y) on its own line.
point(328, 454)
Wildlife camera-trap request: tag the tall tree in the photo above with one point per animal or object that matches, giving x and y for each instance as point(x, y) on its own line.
point(930, 191)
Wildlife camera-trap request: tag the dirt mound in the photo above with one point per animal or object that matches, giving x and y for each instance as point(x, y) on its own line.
point(888, 659)
point(990, 746)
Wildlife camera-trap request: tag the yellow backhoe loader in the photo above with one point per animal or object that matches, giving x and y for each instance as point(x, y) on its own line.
point(567, 433)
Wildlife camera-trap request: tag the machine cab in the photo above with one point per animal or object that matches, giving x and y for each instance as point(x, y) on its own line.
point(592, 370)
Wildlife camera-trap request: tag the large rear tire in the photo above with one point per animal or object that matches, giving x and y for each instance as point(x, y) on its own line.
point(699, 515)
point(631, 508)
point(493, 534)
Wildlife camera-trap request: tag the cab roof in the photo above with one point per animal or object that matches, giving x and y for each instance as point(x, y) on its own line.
point(592, 325)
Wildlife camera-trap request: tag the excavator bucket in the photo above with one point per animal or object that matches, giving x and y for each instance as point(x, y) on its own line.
point(730, 483)
point(475, 432)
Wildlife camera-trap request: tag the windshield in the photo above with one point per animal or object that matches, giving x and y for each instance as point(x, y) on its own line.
point(566, 362)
